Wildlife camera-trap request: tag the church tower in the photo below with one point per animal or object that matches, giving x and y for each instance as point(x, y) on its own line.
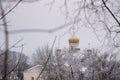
point(73, 43)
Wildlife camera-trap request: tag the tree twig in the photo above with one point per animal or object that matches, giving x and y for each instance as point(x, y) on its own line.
point(6, 42)
point(111, 12)
point(10, 9)
point(47, 60)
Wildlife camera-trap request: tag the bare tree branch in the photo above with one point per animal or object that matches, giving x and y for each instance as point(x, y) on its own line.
point(111, 12)
point(6, 43)
point(10, 9)
point(47, 59)
point(11, 46)
point(17, 62)
point(43, 30)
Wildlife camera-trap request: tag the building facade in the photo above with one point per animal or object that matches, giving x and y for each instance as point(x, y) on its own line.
point(32, 73)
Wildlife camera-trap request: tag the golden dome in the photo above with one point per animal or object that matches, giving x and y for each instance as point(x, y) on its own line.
point(89, 50)
point(73, 40)
point(58, 50)
point(78, 49)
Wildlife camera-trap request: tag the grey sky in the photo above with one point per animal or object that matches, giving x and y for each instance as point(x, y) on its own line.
point(37, 15)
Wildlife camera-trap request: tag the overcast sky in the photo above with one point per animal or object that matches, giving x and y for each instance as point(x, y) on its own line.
point(39, 16)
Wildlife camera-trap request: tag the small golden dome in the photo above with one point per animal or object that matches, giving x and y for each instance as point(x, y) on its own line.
point(58, 50)
point(73, 40)
point(89, 50)
point(78, 49)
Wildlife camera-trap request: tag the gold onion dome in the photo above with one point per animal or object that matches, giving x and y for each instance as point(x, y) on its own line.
point(73, 39)
point(58, 50)
point(78, 49)
point(89, 50)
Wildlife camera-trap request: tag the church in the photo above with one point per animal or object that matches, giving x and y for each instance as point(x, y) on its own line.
point(66, 59)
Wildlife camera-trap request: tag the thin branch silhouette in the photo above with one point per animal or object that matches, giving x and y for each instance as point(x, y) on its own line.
point(5, 14)
point(42, 30)
point(47, 59)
